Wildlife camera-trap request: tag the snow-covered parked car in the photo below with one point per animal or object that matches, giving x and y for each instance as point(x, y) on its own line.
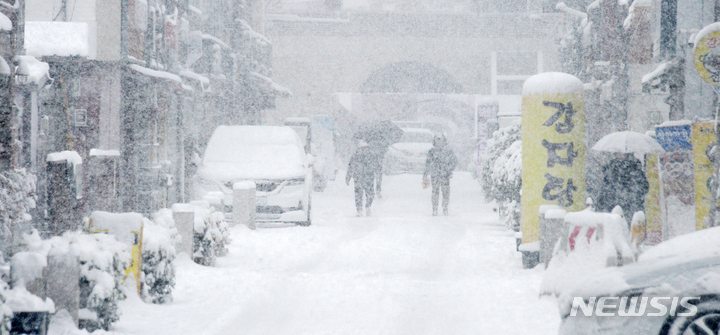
point(408, 155)
point(271, 156)
point(674, 288)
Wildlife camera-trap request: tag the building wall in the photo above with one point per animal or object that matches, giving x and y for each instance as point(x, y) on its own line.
point(109, 30)
point(316, 60)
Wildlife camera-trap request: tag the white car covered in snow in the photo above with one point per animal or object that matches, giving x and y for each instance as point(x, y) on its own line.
point(674, 288)
point(273, 157)
point(409, 155)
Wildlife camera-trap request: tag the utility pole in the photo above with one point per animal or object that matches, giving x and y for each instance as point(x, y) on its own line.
point(11, 45)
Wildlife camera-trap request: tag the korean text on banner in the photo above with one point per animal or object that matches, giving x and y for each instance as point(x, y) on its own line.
point(553, 144)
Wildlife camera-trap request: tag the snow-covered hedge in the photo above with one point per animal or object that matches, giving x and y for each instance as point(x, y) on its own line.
point(211, 235)
point(158, 254)
point(103, 261)
point(17, 198)
point(501, 172)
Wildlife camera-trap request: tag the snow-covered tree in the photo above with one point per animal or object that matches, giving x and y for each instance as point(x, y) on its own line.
point(501, 172)
point(17, 198)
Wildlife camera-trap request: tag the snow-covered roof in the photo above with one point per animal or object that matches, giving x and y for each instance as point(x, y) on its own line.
point(553, 83)
point(156, 73)
point(51, 38)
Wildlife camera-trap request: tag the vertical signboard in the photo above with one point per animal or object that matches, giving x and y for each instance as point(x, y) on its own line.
point(676, 176)
point(703, 136)
point(653, 215)
point(553, 146)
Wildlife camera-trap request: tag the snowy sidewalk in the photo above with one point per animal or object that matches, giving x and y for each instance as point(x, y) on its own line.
point(400, 271)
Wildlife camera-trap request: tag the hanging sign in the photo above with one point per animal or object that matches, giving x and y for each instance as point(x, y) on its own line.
point(707, 53)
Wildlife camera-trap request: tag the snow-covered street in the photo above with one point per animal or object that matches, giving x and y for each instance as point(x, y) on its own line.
point(400, 271)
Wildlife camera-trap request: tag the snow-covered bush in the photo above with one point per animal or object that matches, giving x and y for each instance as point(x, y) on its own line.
point(103, 261)
point(501, 172)
point(211, 235)
point(158, 272)
point(17, 198)
point(6, 313)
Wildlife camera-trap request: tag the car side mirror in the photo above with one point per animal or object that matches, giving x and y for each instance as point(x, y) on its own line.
point(310, 159)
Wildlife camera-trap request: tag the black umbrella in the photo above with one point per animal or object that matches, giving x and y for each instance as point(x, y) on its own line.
point(379, 133)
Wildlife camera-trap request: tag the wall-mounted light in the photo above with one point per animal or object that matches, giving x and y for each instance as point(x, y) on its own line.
point(22, 73)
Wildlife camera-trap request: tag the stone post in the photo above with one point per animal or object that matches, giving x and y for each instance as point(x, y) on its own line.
point(184, 216)
point(244, 203)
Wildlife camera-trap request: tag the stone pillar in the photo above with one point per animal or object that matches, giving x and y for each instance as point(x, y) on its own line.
point(244, 203)
point(551, 228)
point(184, 216)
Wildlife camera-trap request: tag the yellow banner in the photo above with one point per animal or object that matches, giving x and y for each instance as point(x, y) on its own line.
point(703, 135)
point(653, 214)
point(553, 160)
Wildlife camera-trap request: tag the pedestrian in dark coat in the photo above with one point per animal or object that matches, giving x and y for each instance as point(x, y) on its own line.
point(362, 170)
point(440, 164)
point(378, 151)
point(624, 184)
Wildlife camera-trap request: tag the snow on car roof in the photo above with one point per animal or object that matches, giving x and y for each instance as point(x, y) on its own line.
point(698, 244)
point(253, 152)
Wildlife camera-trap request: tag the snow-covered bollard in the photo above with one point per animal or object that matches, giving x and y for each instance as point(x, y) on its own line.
point(244, 203)
point(551, 228)
point(184, 216)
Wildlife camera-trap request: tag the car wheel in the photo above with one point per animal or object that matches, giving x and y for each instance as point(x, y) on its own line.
point(705, 321)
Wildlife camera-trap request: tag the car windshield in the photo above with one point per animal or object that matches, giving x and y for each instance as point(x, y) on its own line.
point(416, 137)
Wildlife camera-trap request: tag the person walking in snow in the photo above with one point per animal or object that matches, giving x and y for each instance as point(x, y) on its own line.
point(439, 165)
point(362, 170)
point(624, 184)
point(378, 151)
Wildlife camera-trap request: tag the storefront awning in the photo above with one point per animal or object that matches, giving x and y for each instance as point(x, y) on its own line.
point(269, 85)
point(203, 81)
point(156, 73)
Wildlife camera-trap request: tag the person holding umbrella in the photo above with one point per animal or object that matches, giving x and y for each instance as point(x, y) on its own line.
point(362, 170)
point(379, 135)
point(624, 182)
point(440, 163)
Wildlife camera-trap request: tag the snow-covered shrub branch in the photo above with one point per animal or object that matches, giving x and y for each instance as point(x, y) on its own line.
point(17, 198)
point(211, 235)
point(501, 172)
point(158, 272)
